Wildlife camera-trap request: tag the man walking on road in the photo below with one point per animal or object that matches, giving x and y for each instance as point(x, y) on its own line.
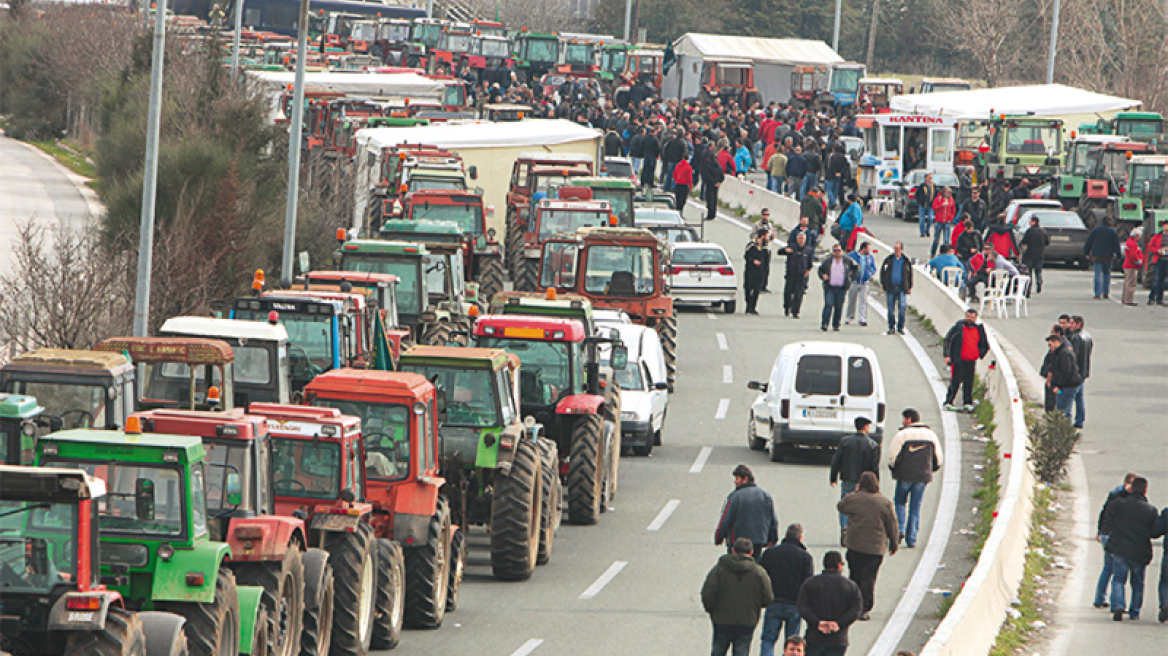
point(788, 564)
point(856, 454)
point(798, 270)
point(896, 277)
point(1103, 586)
point(1102, 246)
point(965, 344)
point(1062, 375)
point(712, 177)
point(1033, 248)
point(872, 531)
point(1082, 344)
point(830, 604)
point(858, 291)
point(734, 594)
point(1130, 523)
point(926, 193)
point(749, 513)
point(913, 455)
point(837, 273)
point(754, 277)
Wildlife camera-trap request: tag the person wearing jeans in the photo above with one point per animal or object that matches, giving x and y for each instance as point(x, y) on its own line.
point(1063, 376)
point(1158, 259)
point(856, 454)
point(1102, 246)
point(734, 593)
point(944, 213)
point(837, 273)
point(896, 277)
point(925, 195)
point(1103, 585)
point(1130, 523)
point(788, 564)
point(914, 454)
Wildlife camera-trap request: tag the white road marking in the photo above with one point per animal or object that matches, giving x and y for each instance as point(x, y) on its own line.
point(711, 316)
point(527, 647)
point(723, 408)
point(605, 578)
point(664, 515)
point(727, 374)
point(722, 342)
point(700, 462)
point(745, 226)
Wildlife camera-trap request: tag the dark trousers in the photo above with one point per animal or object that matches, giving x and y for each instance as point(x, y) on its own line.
point(732, 635)
point(793, 295)
point(711, 200)
point(766, 269)
point(833, 305)
point(962, 376)
point(1159, 275)
point(816, 649)
point(681, 195)
point(862, 569)
point(1035, 275)
point(750, 291)
point(649, 172)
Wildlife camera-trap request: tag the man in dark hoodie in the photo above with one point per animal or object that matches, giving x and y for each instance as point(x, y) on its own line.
point(830, 603)
point(734, 594)
point(788, 564)
point(672, 152)
point(749, 513)
point(712, 177)
point(1130, 523)
point(1033, 247)
point(1102, 246)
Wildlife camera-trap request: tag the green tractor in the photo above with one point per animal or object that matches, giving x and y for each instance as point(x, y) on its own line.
point(18, 428)
point(619, 193)
point(156, 552)
point(535, 54)
point(1021, 148)
point(1070, 182)
point(1145, 127)
point(1107, 190)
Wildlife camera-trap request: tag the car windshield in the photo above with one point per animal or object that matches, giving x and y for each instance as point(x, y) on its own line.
point(306, 468)
point(554, 222)
point(420, 183)
point(699, 256)
point(619, 270)
point(468, 217)
point(1055, 219)
point(845, 80)
point(77, 406)
point(545, 371)
point(409, 290)
point(630, 377)
point(38, 545)
point(140, 499)
point(471, 397)
point(310, 332)
point(385, 428)
point(1032, 139)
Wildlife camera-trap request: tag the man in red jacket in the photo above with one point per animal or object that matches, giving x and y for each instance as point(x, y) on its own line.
point(965, 344)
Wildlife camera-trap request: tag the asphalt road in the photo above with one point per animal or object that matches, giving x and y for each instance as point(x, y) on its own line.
point(652, 604)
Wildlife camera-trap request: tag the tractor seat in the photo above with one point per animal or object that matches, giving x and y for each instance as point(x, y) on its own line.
point(622, 283)
point(378, 466)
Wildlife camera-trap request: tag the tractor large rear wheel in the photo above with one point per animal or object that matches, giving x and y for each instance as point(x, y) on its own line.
point(354, 560)
point(552, 500)
point(212, 628)
point(121, 636)
point(391, 595)
point(515, 516)
point(437, 333)
point(283, 584)
point(585, 477)
point(491, 273)
point(428, 573)
point(316, 638)
point(513, 243)
point(527, 275)
point(667, 330)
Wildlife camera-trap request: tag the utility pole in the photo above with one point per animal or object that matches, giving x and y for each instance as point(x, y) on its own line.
point(429, 8)
point(636, 22)
point(835, 32)
point(1054, 23)
point(294, 145)
point(150, 178)
point(628, 18)
point(875, 23)
point(235, 41)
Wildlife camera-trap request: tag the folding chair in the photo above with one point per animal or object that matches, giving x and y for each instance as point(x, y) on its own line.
point(995, 289)
point(1015, 292)
point(951, 276)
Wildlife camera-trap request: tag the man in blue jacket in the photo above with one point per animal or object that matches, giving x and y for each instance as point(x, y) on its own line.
point(1102, 246)
point(749, 513)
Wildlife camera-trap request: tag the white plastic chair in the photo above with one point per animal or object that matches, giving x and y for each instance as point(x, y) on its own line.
point(951, 276)
point(995, 290)
point(1016, 290)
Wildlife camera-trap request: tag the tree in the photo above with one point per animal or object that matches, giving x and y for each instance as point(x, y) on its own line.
point(992, 33)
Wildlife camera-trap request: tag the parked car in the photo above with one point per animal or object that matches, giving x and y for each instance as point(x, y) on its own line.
point(673, 234)
point(1018, 207)
point(904, 202)
point(618, 167)
point(644, 216)
point(644, 387)
point(1067, 233)
point(815, 392)
point(701, 273)
point(659, 200)
point(610, 315)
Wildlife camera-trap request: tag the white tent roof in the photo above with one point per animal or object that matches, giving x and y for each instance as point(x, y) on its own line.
point(481, 134)
point(356, 83)
point(1042, 99)
point(785, 51)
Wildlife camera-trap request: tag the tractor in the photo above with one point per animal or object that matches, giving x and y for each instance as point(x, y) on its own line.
point(424, 36)
point(156, 551)
point(500, 471)
point(533, 177)
point(562, 385)
point(189, 373)
point(403, 494)
point(620, 268)
point(574, 210)
point(482, 254)
point(729, 81)
point(1070, 182)
point(534, 53)
point(454, 44)
point(55, 601)
point(1107, 189)
point(77, 389)
point(1021, 148)
point(619, 193)
point(18, 428)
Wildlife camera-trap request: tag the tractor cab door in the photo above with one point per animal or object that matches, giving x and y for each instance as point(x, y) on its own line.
point(557, 266)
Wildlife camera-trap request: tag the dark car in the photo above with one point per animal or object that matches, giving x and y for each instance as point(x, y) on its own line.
point(904, 203)
point(1067, 235)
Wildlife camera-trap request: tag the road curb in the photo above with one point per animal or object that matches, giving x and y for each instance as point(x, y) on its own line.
point(96, 209)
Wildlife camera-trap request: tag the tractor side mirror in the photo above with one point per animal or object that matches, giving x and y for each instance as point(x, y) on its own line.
point(757, 386)
point(478, 191)
point(620, 357)
point(234, 489)
point(474, 172)
point(144, 499)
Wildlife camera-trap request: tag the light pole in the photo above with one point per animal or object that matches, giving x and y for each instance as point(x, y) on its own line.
point(150, 177)
point(294, 145)
point(235, 41)
point(628, 18)
point(835, 32)
point(1054, 23)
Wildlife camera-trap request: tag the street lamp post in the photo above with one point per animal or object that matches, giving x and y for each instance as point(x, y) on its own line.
point(294, 145)
point(150, 177)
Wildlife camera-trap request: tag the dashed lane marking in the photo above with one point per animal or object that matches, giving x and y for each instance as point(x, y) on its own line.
point(700, 462)
point(722, 344)
point(527, 647)
point(664, 515)
point(727, 374)
point(723, 408)
point(605, 578)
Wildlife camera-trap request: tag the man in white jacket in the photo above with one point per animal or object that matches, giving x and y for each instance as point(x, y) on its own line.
point(913, 455)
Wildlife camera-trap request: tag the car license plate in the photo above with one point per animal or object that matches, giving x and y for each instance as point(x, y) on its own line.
point(820, 413)
point(1059, 238)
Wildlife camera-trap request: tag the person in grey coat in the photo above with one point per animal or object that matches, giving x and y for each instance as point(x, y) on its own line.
point(856, 454)
point(873, 532)
point(749, 513)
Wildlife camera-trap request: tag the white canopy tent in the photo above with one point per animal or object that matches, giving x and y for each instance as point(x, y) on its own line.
point(1043, 100)
point(356, 84)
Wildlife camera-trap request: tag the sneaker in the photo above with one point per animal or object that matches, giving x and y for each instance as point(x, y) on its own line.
point(863, 324)
point(1135, 617)
point(900, 332)
point(865, 617)
point(795, 316)
point(1101, 605)
point(902, 537)
point(1163, 613)
point(952, 408)
point(823, 328)
point(1117, 615)
point(891, 332)
point(835, 328)
point(968, 407)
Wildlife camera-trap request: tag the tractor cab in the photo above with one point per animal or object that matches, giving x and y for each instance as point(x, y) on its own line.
point(541, 304)
point(77, 389)
point(320, 334)
point(619, 193)
point(406, 261)
point(1022, 148)
point(443, 240)
point(189, 373)
point(534, 53)
point(262, 371)
point(729, 80)
point(489, 51)
point(876, 94)
point(379, 289)
point(482, 253)
point(18, 428)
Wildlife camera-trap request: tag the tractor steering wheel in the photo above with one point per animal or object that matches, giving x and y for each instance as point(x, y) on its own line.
point(296, 485)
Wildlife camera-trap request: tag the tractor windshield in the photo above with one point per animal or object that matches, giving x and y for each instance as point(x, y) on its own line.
point(141, 499)
point(1032, 139)
point(1107, 165)
point(457, 42)
point(1134, 128)
point(578, 53)
point(468, 217)
point(427, 34)
point(1077, 157)
point(619, 200)
point(169, 385)
point(76, 405)
point(223, 460)
point(472, 400)
point(554, 222)
point(619, 270)
point(409, 290)
point(541, 50)
point(845, 80)
point(38, 545)
point(613, 61)
point(495, 48)
point(310, 334)
point(385, 428)
point(546, 373)
point(419, 182)
point(1147, 180)
point(306, 468)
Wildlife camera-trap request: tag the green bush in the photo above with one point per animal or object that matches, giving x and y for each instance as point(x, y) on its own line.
point(1053, 439)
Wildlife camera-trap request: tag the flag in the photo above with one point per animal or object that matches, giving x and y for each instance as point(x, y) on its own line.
point(382, 359)
point(669, 60)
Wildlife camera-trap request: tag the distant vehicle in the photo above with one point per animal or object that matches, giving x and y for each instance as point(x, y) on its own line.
point(674, 234)
point(815, 393)
point(280, 16)
point(1017, 208)
point(646, 216)
point(644, 388)
point(941, 84)
point(664, 201)
point(618, 167)
point(702, 273)
point(904, 204)
point(897, 144)
point(1067, 234)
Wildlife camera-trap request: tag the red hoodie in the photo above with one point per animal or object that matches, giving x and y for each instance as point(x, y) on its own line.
point(1133, 257)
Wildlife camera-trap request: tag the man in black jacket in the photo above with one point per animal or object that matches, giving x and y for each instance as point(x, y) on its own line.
point(1102, 246)
point(838, 170)
point(788, 564)
point(798, 254)
point(1063, 376)
point(977, 209)
point(965, 344)
point(754, 278)
point(896, 277)
point(650, 149)
point(856, 454)
point(1130, 521)
point(1103, 586)
point(1033, 249)
point(830, 603)
point(749, 513)
point(712, 177)
point(1083, 344)
point(672, 152)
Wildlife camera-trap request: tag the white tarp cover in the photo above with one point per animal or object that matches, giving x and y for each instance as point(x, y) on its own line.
point(787, 51)
point(1042, 99)
point(395, 85)
point(480, 134)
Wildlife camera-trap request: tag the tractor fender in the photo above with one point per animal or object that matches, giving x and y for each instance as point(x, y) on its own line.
point(416, 497)
point(249, 611)
point(263, 538)
point(63, 619)
point(580, 404)
point(170, 576)
point(411, 530)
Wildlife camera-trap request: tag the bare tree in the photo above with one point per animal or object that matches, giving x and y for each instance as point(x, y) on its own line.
point(873, 25)
point(993, 33)
point(535, 15)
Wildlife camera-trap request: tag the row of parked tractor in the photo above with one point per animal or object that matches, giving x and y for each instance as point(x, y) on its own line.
point(299, 474)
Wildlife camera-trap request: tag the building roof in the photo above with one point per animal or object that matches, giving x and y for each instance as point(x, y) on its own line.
point(483, 134)
point(784, 51)
point(1043, 100)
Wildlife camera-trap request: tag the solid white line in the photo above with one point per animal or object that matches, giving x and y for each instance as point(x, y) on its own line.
point(664, 515)
point(605, 578)
point(700, 462)
point(723, 407)
point(722, 342)
point(745, 226)
point(527, 647)
point(727, 374)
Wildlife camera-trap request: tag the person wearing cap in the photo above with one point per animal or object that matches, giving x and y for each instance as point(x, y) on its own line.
point(857, 453)
point(1158, 258)
point(1063, 376)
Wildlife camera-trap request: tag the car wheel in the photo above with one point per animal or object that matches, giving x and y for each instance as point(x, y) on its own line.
point(728, 306)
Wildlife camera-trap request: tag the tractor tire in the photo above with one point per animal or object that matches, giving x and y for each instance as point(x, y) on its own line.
point(457, 568)
point(667, 330)
point(354, 560)
point(513, 241)
point(491, 274)
point(647, 450)
point(121, 636)
point(283, 584)
point(756, 443)
point(527, 275)
point(585, 478)
point(428, 573)
point(262, 634)
point(212, 628)
point(437, 334)
point(391, 595)
point(316, 637)
point(552, 502)
point(515, 516)
point(163, 632)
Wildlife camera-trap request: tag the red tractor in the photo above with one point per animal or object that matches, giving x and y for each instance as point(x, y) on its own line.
point(729, 81)
point(573, 210)
point(533, 177)
point(482, 253)
point(397, 163)
point(620, 268)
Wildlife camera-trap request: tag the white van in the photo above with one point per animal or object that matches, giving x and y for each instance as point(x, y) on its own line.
point(644, 387)
point(814, 395)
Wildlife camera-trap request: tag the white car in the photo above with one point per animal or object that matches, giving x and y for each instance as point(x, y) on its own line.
point(814, 395)
point(644, 387)
point(1018, 207)
point(610, 315)
point(644, 217)
point(701, 273)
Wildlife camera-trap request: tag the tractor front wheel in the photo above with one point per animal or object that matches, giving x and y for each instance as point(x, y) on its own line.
point(428, 573)
point(316, 636)
point(515, 516)
point(391, 595)
point(283, 584)
point(354, 560)
point(585, 479)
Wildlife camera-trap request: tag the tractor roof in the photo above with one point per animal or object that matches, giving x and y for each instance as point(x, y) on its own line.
point(18, 406)
point(534, 327)
point(113, 363)
point(132, 447)
point(563, 170)
point(432, 171)
point(443, 196)
point(341, 383)
point(226, 328)
point(517, 302)
point(288, 300)
point(48, 482)
point(355, 299)
point(154, 350)
point(575, 205)
point(1154, 160)
point(632, 235)
point(304, 420)
point(422, 227)
point(384, 246)
point(1139, 116)
point(1099, 138)
point(554, 158)
point(1123, 146)
point(602, 183)
point(462, 356)
point(229, 423)
point(356, 278)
